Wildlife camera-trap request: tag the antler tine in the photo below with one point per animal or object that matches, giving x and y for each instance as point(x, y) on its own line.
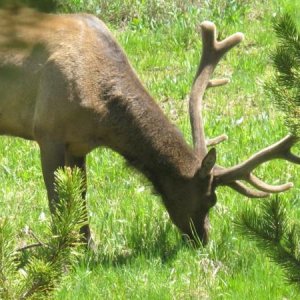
point(281, 149)
point(217, 140)
point(217, 82)
point(244, 190)
point(211, 55)
point(262, 186)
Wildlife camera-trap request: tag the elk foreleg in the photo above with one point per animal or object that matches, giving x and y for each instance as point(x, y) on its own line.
point(79, 162)
point(52, 158)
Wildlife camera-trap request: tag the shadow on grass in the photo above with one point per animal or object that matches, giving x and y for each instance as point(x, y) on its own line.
point(165, 251)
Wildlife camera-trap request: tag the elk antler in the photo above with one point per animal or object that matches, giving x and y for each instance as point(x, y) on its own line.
point(212, 52)
point(216, 140)
point(242, 171)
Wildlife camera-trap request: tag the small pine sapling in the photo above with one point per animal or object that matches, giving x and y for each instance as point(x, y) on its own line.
point(38, 273)
point(271, 228)
point(284, 86)
point(275, 233)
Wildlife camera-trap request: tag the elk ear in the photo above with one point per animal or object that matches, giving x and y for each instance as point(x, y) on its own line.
point(208, 163)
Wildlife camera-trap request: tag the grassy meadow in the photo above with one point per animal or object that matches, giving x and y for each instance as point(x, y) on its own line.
point(140, 254)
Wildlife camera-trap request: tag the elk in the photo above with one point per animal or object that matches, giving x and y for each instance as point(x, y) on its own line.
point(67, 84)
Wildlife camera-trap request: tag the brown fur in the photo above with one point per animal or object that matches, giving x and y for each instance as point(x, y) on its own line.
point(66, 84)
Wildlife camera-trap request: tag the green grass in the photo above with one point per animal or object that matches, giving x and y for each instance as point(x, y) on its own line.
point(140, 253)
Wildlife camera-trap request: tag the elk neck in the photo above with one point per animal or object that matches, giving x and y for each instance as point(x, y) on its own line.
point(145, 136)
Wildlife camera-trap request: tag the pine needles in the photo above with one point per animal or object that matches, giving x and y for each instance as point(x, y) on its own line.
point(284, 86)
point(270, 227)
point(34, 272)
point(273, 232)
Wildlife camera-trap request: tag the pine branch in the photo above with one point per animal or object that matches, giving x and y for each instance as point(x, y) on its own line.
point(285, 28)
point(61, 251)
point(53, 254)
point(272, 233)
point(284, 86)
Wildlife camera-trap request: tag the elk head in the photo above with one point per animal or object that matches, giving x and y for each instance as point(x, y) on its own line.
point(191, 215)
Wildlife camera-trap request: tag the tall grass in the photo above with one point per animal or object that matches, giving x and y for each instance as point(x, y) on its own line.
point(140, 253)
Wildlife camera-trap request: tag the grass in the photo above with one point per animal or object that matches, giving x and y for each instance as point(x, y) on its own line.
point(140, 253)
